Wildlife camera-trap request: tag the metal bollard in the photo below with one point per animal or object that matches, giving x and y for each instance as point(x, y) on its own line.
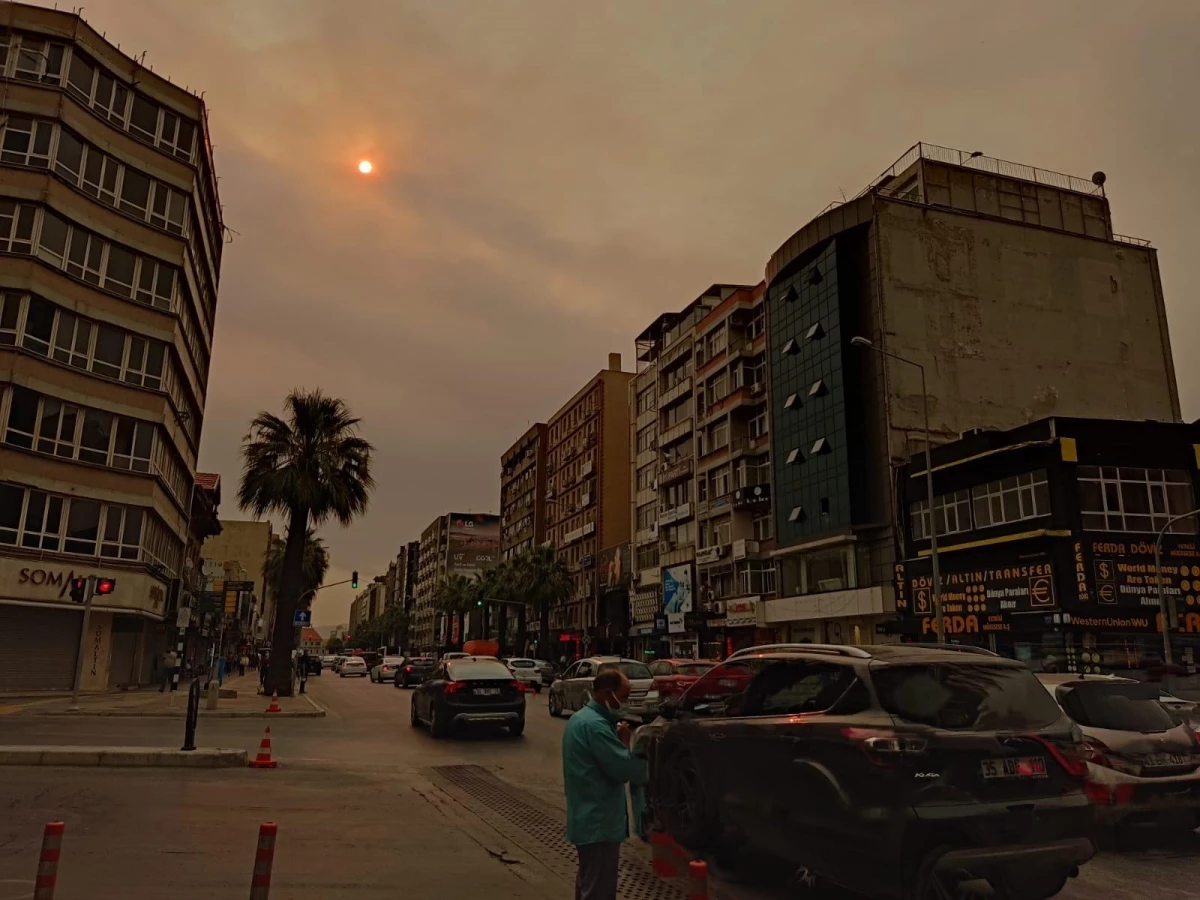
point(47, 873)
point(193, 716)
point(264, 857)
point(697, 880)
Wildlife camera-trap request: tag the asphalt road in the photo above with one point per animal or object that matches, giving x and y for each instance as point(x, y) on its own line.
point(367, 807)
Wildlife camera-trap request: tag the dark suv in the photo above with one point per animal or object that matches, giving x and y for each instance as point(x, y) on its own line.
point(895, 770)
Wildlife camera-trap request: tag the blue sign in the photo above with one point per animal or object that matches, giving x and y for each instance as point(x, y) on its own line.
point(302, 617)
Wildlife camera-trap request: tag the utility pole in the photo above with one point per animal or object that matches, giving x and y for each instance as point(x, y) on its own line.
point(82, 591)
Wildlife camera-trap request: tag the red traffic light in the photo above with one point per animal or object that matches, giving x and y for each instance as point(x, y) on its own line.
point(105, 585)
point(78, 590)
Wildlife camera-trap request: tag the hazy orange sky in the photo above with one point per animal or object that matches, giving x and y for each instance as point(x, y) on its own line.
point(551, 175)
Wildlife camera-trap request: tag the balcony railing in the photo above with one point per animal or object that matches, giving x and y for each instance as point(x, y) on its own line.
point(673, 470)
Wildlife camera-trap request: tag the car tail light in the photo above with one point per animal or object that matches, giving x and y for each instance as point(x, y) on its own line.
point(518, 686)
point(408, 668)
point(883, 746)
point(1108, 795)
point(452, 687)
point(1073, 757)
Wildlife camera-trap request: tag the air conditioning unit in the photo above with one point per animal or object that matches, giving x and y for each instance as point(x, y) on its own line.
point(757, 388)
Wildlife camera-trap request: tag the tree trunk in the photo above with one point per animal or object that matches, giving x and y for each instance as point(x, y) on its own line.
point(545, 651)
point(283, 638)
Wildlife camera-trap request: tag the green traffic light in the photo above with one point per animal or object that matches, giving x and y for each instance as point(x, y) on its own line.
point(354, 579)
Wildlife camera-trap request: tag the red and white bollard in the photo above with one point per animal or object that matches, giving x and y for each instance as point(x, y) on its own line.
point(264, 857)
point(47, 873)
point(697, 880)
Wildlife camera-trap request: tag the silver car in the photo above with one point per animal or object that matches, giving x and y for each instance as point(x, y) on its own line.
point(574, 690)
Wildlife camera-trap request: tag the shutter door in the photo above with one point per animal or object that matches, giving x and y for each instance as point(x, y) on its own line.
point(38, 648)
point(125, 632)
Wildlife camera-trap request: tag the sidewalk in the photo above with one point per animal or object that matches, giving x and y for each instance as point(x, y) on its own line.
point(149, 702)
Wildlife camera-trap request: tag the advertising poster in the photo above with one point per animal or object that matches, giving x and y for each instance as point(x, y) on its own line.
point(473, 544)
point(613, 568)
point(677, 589)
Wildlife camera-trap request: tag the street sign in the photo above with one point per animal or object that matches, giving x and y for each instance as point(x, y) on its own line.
point(302, 617)
point(183, 618)
point(239, 585)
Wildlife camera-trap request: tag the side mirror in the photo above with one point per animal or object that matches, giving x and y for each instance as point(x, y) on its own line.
point(670, 708)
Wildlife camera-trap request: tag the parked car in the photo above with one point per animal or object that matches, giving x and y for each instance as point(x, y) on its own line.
point(313, 663)
point(967, 771)
point(469, 691)
point(370, 658)
point(353, 665)
point(328, 661)
point(525, 671)
point(455, 654)
point(549, 673)
point(337, 663)
point(414, 670)
point(674, 676)
point(574, 690)
point(1143, 759)
point(386, 670)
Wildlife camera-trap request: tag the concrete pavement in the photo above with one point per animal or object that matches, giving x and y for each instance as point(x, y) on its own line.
point(367, 806)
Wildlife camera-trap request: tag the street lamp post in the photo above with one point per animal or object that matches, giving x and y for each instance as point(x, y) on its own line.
point(1162, 598)
point(933, 545)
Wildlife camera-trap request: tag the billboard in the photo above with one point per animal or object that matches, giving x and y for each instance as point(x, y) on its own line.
point(473, 543)
point(613, 568)
point(677, 589)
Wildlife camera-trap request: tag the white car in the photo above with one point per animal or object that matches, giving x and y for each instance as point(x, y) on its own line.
point(525, 671)
point(353, 665)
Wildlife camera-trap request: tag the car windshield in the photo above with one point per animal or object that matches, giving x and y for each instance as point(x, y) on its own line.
point(478, 669)
point(693, 668)
point(1120, 707)
point(631, 670)
point(965, 696)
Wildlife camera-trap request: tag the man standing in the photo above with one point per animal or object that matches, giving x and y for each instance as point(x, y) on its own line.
point(169, 661)
point(597, 763)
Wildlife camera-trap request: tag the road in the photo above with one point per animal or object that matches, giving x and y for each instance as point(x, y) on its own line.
point(367, 807)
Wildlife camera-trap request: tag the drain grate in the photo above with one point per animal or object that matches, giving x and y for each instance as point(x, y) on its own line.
point(540, 831)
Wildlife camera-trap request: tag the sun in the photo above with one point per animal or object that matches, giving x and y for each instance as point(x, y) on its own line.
point(366, 167)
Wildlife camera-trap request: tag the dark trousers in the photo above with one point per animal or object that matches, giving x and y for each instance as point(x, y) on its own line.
point(598, 867)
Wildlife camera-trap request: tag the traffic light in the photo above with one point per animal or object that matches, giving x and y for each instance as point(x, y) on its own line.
point(354, 579)
point(479, 603)
point(105, 585)
point(78, 590)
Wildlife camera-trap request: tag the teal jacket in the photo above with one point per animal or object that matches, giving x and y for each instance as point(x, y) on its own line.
point(596, 767)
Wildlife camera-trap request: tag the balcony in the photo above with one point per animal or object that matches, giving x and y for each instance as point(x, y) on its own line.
point(755, 496)
point(675, 514)
point(673, 470)
point(680, 389)
point(675, 433)
point(751, 445)
point(681, 349)
point(711, 554)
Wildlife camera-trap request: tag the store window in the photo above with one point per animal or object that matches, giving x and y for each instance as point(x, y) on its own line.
point(818, 572)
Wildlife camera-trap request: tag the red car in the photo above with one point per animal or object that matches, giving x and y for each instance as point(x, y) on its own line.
point(674, 676)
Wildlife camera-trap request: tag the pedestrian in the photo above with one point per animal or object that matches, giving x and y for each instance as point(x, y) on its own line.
point(597, 763)
point(169, 661)
point(302, 668)
point(262, 670)
point(243, 661)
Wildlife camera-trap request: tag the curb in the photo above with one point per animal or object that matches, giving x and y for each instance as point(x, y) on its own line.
point(316, 713)
point(123, 757)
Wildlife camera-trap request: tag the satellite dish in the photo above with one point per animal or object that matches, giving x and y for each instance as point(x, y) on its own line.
point(1098, 179)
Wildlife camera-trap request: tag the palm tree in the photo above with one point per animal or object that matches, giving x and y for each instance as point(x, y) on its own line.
point(316, 566)
point(456, 594)
point(309, 466)
point(543, 579)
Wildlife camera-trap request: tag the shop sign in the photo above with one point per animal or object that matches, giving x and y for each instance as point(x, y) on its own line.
point(675, 623)
point(1118, 572)
point(982, 599)
point(660, 623)
point(741, 613)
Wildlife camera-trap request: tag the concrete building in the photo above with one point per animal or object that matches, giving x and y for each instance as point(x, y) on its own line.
point(464, 544)
point(523, 493)
point(240, 552)
point(110, 250)
point(587, 500)
point(408, 563)
point(1007, 284)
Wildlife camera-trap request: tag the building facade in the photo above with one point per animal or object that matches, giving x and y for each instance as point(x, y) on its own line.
point(239, 552)
point(587, 503)
point(1007, 285)
point(1046, 538)
point(523, 493)
point(465, 544)
point(110, 252)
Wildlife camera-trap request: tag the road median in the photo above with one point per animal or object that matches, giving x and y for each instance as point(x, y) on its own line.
point(124, 757)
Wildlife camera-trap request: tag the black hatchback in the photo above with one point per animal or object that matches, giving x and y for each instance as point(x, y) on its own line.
point(413, 670)
point(894, 770)
point(472, 690)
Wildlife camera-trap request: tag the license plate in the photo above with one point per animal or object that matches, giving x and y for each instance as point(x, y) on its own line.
point(487, 692)
point(1157, 760)
point(1014, 767)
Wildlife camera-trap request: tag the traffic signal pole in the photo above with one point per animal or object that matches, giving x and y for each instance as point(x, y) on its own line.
point(89, 592)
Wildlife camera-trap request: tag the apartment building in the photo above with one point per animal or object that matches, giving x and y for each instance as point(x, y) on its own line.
point(408, 562)
point(110, 253)
point(464, 544)
point(523, 493)
point(1001, 295)
point(587, 505)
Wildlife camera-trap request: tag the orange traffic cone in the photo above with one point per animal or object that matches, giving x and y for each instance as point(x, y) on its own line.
point(263, 760)
point(274, 707)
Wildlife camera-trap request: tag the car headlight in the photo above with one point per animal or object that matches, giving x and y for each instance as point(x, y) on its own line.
point(651, 695)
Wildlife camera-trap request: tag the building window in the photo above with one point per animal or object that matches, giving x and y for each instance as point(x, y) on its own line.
point(1025, 496)
point(646, 400)
point(37, 60)
point(16, 227)
point(647, 515)
point(792, 401)
point(953, 512)
point(26, 142)
point(43, 522)
point(763, 527)
point(758, 578)
point(645, 478)
point(818, 572)
point(646, 438)
point(1135, 499)
point(10, 310)
point(758, 426)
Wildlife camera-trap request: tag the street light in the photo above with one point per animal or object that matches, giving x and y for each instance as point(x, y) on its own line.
point(866, 344)
point(1162, 599)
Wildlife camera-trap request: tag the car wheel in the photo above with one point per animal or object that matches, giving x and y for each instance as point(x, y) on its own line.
point(437, 724)
point(405, 681)
point(517, 728)
point(537, 688)
point(341, 675)
point(555, 704)
point(683, 800)
point(413, 718)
